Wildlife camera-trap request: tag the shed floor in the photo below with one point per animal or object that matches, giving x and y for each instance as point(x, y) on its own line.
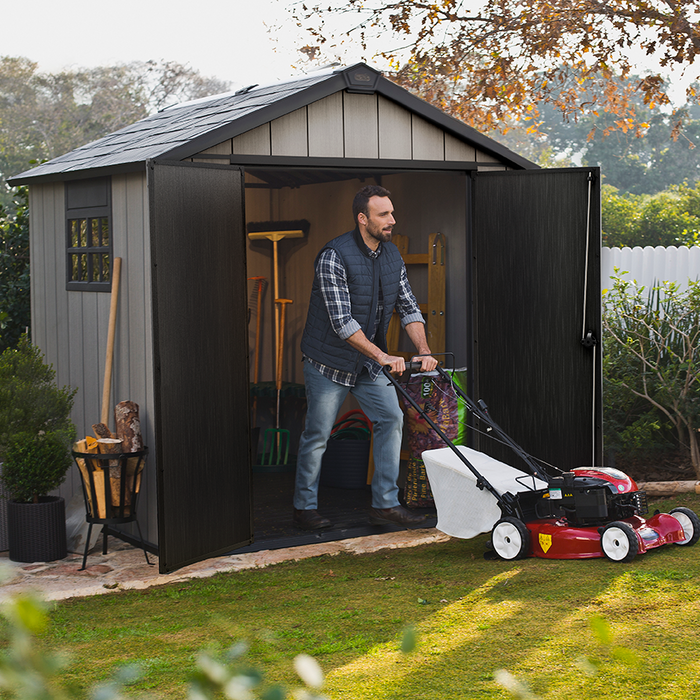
point(348, 509)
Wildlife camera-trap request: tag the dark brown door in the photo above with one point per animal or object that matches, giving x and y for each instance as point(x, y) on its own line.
point(198, 249)
point(536, 292)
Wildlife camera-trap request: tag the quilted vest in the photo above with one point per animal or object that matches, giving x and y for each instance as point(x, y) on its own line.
point(364, 276)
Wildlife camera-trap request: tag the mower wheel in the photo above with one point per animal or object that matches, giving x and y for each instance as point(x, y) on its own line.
point(619, 542)
point(510, 539)
point(690, 524)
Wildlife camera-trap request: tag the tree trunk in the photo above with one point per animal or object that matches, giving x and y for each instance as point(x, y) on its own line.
point(694, 436)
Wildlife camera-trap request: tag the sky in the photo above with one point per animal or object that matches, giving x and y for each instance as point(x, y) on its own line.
point(240, 41)
point(226, 39)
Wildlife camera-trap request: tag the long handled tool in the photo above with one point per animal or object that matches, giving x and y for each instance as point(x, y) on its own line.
point(276, 231)
point(107, 385)
point(280, 354)
point(255, 299)
point(276, 440)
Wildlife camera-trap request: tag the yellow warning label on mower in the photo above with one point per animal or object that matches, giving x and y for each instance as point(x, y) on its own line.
point(545, 542)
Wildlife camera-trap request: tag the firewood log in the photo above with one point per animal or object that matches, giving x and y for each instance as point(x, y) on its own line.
point(102, 431)
point(110, 446)
point(88, 468)
point(126, 418)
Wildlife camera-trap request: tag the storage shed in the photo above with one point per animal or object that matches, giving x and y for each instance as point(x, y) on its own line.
point(172, 195)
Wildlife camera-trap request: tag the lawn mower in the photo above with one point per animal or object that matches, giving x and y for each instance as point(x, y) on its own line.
point(536, 511)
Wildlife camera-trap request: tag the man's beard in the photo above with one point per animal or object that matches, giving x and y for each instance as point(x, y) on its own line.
point(378, 233)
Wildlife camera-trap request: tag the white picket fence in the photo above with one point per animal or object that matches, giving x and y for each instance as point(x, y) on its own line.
point(650, 266)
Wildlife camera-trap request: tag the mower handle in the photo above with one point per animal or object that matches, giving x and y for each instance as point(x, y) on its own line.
point(416, 366)
point(479, 410)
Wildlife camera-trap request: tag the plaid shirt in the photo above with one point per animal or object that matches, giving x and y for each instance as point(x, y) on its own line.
point(334, 289)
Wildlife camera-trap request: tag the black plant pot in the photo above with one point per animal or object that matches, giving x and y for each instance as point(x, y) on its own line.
point(37, 531)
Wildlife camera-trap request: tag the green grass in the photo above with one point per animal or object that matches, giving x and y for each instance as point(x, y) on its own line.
point(472, 617)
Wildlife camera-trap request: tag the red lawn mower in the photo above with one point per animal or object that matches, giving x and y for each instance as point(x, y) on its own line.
point(536, 511)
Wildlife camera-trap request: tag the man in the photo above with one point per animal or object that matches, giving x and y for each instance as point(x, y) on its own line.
point(359, 280)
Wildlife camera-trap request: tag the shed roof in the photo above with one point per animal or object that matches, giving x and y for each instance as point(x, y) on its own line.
point(183, 130)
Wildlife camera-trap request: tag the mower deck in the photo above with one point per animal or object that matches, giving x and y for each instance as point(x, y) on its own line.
point(556, 539)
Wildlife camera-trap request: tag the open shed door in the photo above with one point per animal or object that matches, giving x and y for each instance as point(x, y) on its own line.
point(536, 290)
point(200, 361)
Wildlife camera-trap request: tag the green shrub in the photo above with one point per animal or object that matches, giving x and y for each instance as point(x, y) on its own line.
point(652, 356)
point(30, 401)
point(14, 270)
point(36, 464)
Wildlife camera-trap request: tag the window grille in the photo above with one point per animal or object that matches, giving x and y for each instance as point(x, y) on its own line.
point(89, 236)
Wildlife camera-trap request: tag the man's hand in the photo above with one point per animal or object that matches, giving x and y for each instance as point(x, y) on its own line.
point(427, 363)
point(397, 365)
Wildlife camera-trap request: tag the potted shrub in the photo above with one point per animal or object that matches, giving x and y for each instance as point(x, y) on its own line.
point(36, 435)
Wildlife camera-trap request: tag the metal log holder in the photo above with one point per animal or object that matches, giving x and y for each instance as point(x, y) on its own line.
point(111, 485)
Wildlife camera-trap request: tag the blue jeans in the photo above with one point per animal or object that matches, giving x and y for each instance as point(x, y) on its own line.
point(379, 402)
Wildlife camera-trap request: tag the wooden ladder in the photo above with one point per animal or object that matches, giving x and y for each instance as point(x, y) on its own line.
point(434, 310)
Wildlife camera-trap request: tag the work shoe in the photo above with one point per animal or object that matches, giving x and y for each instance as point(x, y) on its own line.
point(397, 515)
point(310, 520)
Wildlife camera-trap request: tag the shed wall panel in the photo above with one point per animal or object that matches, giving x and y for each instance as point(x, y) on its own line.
point(76, 368)
point(51, 275)
point(223, 148)
point(326, 127)
point(361, 126)
point(50, 311)
point(482, 157)
point(133, 371)
point(290, 134)
point(255, 142)
point(457, 150)
point(428, 140)
point(488, 162)
point(394, 131)
point(354, 126)
point(71, 327)
point(58, 308)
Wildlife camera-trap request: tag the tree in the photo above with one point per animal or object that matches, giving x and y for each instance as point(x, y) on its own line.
point(14, 271)
point(641, 161)
point(496, 62)
point(668, 218)
point(44, 115)
point(653, 352)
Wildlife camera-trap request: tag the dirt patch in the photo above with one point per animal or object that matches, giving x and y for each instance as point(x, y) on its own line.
point(657, 466)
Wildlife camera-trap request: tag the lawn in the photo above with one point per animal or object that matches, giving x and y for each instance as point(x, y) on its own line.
point(472, 617)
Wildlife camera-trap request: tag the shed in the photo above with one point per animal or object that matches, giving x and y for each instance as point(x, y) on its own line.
point(172, 195)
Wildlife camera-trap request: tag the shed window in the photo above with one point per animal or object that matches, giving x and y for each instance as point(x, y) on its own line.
point(88, 234)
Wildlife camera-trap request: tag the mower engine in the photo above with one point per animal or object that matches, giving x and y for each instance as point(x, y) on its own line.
point(591, 496)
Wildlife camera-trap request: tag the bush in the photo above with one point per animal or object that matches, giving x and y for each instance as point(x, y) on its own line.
point(14, 271)
point(669, 218)
point(652, 355)
point(35, 465)
point(30, 401)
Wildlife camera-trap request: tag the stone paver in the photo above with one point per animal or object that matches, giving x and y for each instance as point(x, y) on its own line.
point(124, 567)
